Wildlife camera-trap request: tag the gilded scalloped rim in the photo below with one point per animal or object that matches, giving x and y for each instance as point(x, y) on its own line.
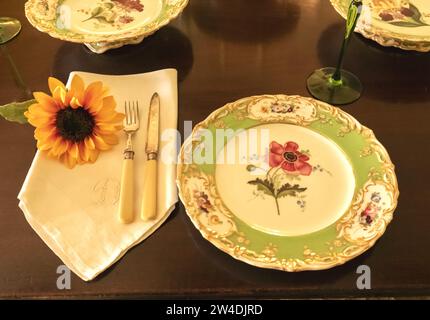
point(386, 38)
point(177, 6)
point(313, 261)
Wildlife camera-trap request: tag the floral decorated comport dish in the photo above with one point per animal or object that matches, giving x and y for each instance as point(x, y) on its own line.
point(400, 23)
point(102, 24)
point(287, 182)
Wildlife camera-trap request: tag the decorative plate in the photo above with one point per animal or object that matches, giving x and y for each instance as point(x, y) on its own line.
point(399, 23)
point(287, 182)
point(102, 24)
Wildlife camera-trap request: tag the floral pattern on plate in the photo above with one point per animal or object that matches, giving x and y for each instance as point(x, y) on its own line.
point(403, 14)
point(115, 12)
point(286, 166)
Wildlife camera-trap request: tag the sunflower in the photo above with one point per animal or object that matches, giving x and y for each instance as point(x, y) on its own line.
point(74, 125)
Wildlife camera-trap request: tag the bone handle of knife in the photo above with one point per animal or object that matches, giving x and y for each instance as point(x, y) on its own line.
point(149, 199)
point(126, 214)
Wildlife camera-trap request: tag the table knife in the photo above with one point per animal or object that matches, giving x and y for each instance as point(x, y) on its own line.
point(149, 199)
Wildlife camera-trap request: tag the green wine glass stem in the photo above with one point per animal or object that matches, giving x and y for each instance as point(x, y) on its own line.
point(16, 74)
point(336, 79)
point(354, 12)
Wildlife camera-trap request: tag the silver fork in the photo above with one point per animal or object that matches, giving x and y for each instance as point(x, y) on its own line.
point(131, 125)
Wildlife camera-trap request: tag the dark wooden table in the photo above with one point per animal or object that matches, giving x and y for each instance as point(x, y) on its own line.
point(225, 50)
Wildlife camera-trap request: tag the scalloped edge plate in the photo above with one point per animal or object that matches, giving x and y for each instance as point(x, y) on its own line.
point(374, 197)
point(49, 16)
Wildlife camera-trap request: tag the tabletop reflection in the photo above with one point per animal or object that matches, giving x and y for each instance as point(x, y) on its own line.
point(269, 277)
point(262, 21)
point(168, 48)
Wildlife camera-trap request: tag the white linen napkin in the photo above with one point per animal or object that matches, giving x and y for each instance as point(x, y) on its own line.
point(74, 211)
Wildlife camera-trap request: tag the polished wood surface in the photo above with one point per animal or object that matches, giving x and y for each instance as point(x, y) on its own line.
point(225, 50)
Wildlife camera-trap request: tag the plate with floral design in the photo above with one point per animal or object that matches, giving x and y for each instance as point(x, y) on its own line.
point(287, 182)
point(399, 23)
point(102, 24)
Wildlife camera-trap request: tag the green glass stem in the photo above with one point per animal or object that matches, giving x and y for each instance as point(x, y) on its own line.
point(336, 79)
point(16, 74)
point(354, 12)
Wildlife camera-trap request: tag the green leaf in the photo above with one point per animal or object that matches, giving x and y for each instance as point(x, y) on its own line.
point(101, 19)
point(417, 14)
point(306, 152)
point(15, 111)
point(289, 190)
point(96, 11)
point(265, 186)
point(407, 24)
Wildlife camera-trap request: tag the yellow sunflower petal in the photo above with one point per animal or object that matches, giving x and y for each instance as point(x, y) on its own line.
point(65, 97)
point(108, 130)
point(74, 150)
point(36, 110)
point(60, 146)
point(46, 102)
point(109, 103)
point(89, 143)
point(45, 144)
point(43, 147)
point(104, 115)
point(53, 83)
point(43, 133)
point(111, 139)
point(52, 155)
point(94, 154)
point(107, 127)
point(115, 119)
point(95, 105)
point(84, 152)
point(39, 121)
point(60, 96)
point(92, 93)
point(68, 160)
point(77, 87)
point(105, 91)
point(53, 152)
point(74, 103)
point(63, 158)
point(107, 111)
point(100, 143)
point(38, 115)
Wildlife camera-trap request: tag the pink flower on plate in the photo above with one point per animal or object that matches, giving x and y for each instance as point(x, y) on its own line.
point(289, 158)
point(126, 19)
point(369, 214)
point(131, 4)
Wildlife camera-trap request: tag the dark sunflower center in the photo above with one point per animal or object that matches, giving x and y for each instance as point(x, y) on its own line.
point(74, 124)
point(290, 156)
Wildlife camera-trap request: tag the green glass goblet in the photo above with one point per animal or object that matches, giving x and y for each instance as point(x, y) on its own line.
point(9, 28)
point(335, 85)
